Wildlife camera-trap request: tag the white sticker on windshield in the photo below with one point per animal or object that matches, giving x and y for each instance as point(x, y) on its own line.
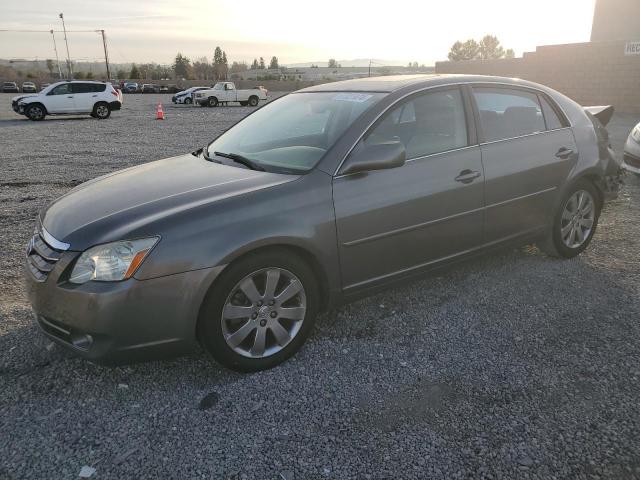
point(353, 97)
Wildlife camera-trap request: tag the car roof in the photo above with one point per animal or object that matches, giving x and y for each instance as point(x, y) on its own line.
point(392, 83)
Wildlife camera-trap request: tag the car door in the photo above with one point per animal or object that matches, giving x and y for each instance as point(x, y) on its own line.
point(393, 222)
point(60, 99)
point(230, 93)
point(85, 96)
point(527, 152)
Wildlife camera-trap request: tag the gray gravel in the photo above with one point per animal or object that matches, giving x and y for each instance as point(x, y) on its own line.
point(512, 366)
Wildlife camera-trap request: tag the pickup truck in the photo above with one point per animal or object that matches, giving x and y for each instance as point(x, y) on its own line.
point(225, 92)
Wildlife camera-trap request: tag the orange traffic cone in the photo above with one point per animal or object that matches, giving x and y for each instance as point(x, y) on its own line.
point(159, 112)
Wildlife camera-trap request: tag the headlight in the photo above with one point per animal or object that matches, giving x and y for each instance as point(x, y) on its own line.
point(635, 133)
point(112, 261)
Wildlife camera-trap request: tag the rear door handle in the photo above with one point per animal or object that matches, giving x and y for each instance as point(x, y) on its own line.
point(467, 176)
point(564, 153)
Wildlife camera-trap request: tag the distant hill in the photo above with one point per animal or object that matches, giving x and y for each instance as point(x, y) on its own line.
point(358, 62)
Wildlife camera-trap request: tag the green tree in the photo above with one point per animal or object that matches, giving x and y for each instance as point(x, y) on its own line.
point(332, 63)
point(217, 56)
point(490, 48)
point(121, 74)
point(262, 66)
point(274, 63)
point(464, 51)
point(224, 58)
point(181, 66)
point(134, 73)
point(89, 76)
point(255, 65)
point(509, 53)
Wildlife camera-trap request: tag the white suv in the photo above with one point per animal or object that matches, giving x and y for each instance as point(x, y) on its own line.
point(97, 99)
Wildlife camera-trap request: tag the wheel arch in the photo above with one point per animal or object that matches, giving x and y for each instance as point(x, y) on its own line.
point(30, 104)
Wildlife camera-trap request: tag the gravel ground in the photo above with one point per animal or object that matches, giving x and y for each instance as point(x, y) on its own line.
point(511, 366)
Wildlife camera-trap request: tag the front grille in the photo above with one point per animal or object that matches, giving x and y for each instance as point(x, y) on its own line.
point(631, 160)
point(41, 258)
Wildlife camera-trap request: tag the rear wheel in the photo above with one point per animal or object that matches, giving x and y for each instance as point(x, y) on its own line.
point(35, 112)
point(213, 101)
point(575, 221)
point(253, 100)
point(101, 111)
point(259, 312)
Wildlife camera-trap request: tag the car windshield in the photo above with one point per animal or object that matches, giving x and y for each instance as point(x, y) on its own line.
point(294, 132)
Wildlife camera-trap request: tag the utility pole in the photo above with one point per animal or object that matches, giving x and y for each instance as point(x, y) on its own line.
point(369, 67)
point(55, 49)
point(106, 55)
point(69, 69)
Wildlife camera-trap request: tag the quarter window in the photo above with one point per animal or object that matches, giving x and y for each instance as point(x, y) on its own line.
point(506, 113)
point(550, 115)
point(426, 124)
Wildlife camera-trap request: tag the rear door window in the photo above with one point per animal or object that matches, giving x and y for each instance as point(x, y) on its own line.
point(508, 113)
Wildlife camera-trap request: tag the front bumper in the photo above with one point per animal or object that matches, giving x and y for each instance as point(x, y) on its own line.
point(631, 157)
point(120, 322)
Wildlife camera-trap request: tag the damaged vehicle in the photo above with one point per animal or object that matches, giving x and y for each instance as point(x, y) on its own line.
point(631, 158)
point(319, 197)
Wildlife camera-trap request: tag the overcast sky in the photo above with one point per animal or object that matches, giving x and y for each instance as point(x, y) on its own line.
point(294, 31)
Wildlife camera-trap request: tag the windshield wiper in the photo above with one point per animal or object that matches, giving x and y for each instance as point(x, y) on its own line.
point(205, 154)
point(242, 160)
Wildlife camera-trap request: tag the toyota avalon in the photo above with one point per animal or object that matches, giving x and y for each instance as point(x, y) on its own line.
point(316, 198)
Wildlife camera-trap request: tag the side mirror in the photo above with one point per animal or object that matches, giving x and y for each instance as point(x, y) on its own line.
point(376, 157)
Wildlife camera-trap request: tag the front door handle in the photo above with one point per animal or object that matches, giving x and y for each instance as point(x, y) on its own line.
point(467, 176)
point(564, 153)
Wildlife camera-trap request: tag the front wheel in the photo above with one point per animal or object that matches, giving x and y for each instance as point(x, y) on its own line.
point(213, 101)
point(188, 101)
point(574, 222)
point(101, 111)
point(259, 312)
point(35, 112)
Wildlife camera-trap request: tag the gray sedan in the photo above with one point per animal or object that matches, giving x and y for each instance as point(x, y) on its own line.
point(319, 197)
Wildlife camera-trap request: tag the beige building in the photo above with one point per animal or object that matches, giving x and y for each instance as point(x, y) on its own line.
point(605, 71)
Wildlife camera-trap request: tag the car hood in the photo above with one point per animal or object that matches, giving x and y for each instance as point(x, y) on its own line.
point(130, 202)
point(20, 97)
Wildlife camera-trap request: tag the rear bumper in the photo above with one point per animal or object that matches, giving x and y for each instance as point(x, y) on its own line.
point(120, 322)
point(115, 105)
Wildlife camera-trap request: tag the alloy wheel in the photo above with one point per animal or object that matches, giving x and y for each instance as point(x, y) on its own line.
point(264, 312)
point(578, 217)
point(102, 111)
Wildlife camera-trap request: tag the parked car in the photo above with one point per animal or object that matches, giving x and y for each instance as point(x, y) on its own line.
point(225, 92)
point(131, 87)
point(173, 88)
point(10, 87)
point(97, 99)
point(150, 88)
point(319, 197)
point(186, 96)
point(43, 86)
point(29, 87)
point(164, 89)
point(631, 162)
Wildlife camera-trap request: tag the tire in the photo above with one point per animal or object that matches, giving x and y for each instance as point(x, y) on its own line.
point(244, 104)
point(213, 102)
point(561, 241)
point(101, 110)
point(250, 320)
point(188, 101)
point(35, 112)
point(253, 101)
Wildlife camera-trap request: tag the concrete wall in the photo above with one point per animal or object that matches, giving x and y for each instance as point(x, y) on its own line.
point(597, 73)
point(616, 20)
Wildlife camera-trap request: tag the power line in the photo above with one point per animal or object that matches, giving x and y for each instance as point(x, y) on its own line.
point(48, 31)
